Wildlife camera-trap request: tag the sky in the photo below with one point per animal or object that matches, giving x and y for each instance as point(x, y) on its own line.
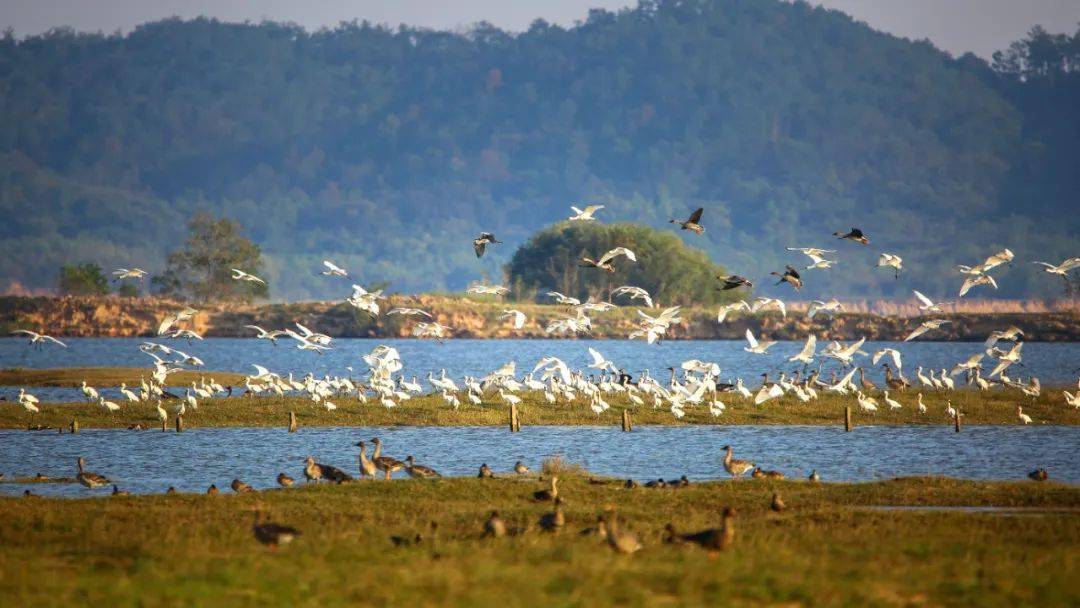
point(957, 26)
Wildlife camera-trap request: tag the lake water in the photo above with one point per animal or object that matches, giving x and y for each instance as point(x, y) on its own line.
point(1052, 362)
point(151, 461)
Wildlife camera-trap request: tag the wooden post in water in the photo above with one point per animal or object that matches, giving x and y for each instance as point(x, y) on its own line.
point(626, 424)
point(515, 422)
point(179, 423)
point(956, 421)
point(847, 419)
point(292, 422)
point(74, 425)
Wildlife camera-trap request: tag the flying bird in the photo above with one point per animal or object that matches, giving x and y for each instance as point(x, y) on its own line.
point(517, 316)
point(806, 355)
point(734, 281)
point(240, 275)
point(758, 348)
point(924, 327)
point(128, 273)
point(1063, 268)
point(817, 306)
point(409, 312)
point(586, 214)
point(634, 293)
point(36, 339)
point(605, 260)
point(790, 275)
point(854, 235)
point(928, 305)
point(728, 308)
point(481, 242)
point(889, 260)
point(976, 280)
point(333, 270)
point(693, 223)
point(493, 290)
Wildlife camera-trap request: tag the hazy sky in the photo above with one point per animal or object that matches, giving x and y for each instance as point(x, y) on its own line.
point(980, 26)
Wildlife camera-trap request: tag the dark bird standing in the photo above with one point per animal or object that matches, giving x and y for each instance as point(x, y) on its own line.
point(711, 539)
point(272, 534)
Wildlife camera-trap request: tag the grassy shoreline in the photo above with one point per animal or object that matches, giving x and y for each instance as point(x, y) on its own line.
point(994, 407)
point(825, 548)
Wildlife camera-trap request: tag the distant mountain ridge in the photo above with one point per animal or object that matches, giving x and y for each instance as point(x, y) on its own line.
point(389, 150)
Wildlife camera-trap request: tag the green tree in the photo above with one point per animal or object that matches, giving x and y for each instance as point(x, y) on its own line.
point(669, 270)
point(83, 280)
point(202, 269)
point(127, 289)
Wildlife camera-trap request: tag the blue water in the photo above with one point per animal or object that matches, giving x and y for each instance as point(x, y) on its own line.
point(151, 461)
point(1052, 362)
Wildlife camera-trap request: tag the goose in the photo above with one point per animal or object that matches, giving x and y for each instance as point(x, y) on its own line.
point(777, 503)
point(584, 215)
point(482, 241)
point(729, 308)
point(36, 339)
point(806, 355)
point(367, 467)
point(634, 293)
point(735, 468)
point(924, 327)
point(891, 260)
point(790, 275)
point(928, 305)
point(759, 473)
point(547, 494)
point(419, 471)
point(975, 281)
point(1039, 474)
point(333, 270)
point(1024, 418)
point(897, 382)
point(620, 540)
point(855, 235)
point(29, 494)
point(212, 490)
point(892, 403)
point(814, 477)
point(494, 526)
point(128, 273)
point(733, 281)
point(693, 223)
point(520, 468)
point(485, 472)
point(921, 406)
point(1061, 269)
point(386, 464)
point(241, 487)
point(116, 491)
point(755, 347)
point(710, 539)
point(517, 317)
point(240, 275)
point(272, 534)
point(555, 520)
point(284, 480)
point(88, 479)
point(605, 261)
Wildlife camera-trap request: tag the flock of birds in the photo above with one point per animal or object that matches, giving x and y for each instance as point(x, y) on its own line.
point(699, 384)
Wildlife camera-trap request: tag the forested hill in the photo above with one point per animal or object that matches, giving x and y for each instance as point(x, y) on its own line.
point(388, 149)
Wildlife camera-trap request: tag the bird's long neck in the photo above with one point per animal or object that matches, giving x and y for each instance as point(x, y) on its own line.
point(378, 450)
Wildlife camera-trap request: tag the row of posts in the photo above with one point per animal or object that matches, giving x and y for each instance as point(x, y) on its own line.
point(848, 424)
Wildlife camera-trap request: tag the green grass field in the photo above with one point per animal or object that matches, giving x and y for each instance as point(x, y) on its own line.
point(825, 549)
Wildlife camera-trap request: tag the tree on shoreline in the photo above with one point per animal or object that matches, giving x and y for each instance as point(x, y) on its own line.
point(202, 269)
point(669, 270)
point(83, 280)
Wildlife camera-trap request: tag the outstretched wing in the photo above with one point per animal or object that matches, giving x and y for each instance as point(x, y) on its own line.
point(925, 300)
point(750, 339)
point(695, 217)
point(607, 257)
point(920, 330)
point(478, 246)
